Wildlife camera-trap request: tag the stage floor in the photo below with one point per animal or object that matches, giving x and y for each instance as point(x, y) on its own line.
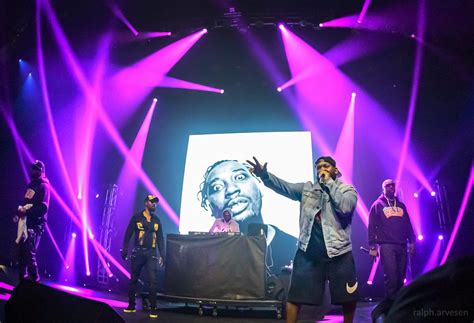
point(181, 312)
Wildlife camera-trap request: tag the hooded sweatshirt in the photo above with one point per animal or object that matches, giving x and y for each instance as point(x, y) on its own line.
point(389, 222)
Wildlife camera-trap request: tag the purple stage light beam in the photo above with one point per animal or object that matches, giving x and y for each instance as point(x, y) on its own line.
point(344, 153)
point(78, 74)
point(55, 244)
point(373, 271)
point(119, 14)
point(132, 84)
point(23, 149)
point(361, 17)
point(47, 105)
point(414, 89)
point(170, 82)
point(300, 57)
point(127, 181)
point(433, 260)
point(68, 272)
point(462, 209)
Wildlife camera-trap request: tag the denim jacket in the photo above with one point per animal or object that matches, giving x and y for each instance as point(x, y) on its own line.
point(336, 201)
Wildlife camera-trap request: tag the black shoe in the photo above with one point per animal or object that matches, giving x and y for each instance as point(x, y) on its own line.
point(130, 309)
point(153, 313)
point(145, 306)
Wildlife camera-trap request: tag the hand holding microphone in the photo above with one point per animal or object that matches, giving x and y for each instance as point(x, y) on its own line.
point(323, 176)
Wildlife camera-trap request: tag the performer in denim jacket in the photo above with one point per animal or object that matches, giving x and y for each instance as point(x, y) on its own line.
point(324, 244)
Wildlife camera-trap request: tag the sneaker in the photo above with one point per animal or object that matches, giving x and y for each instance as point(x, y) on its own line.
point(130, 309)
point(153, 313)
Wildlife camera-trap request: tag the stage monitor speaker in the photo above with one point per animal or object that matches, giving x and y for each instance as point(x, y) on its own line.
point(35, 302)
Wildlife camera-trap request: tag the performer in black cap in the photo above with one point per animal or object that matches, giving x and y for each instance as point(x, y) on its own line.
point(147, 242)
point(31, 218)
point(324, 244)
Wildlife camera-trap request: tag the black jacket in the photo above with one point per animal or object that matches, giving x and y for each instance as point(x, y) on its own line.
point(147, 234)
point(37, 194)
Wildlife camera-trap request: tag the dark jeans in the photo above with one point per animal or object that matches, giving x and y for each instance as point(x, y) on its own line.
point(394, 262)
point(27, 265)
point(147, 258)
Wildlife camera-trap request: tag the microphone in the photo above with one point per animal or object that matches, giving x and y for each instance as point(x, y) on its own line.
point(364, 249)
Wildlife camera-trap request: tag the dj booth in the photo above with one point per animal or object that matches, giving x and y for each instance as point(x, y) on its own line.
point(219, 266)
point(217, 270)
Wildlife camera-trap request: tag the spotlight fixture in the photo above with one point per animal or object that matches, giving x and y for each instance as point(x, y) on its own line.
point(420, 237)
point(369, 282)
point(415, 195)
point(440, 237)
point(279, 89)
point(74, 235)
point(433, 193)
point(321, 25)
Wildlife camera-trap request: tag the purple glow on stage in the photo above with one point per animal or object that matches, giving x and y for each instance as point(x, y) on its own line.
point(5, 297)
point(6, 286)
point(420, 237)
point(433, 260)
point(170, 82)
point(414, 89)
point(119, 14)
point(462, 209)
point(373, 271)
point(361, 17)
point(333, 318)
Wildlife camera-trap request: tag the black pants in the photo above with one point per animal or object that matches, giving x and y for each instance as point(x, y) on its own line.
point(27, 265)
point(147, 258)
point(394, 262)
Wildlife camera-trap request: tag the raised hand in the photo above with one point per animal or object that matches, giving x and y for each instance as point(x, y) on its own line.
point(258, 169)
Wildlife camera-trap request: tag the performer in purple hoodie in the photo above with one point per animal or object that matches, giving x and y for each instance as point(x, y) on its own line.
point(389, 231)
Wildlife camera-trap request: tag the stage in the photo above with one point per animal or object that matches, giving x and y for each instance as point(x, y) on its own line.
point(172, 310)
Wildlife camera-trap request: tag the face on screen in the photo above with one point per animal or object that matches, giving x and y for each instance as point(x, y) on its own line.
point(230, 185)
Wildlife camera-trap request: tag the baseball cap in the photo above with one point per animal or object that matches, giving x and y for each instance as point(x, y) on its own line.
point(329, 160)
point(39, 165)
point(152, 198)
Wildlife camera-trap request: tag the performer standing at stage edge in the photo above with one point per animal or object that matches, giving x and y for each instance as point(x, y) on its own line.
point(324, 244)
point(32, 218)
point(389, 231)
point(148, 232)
